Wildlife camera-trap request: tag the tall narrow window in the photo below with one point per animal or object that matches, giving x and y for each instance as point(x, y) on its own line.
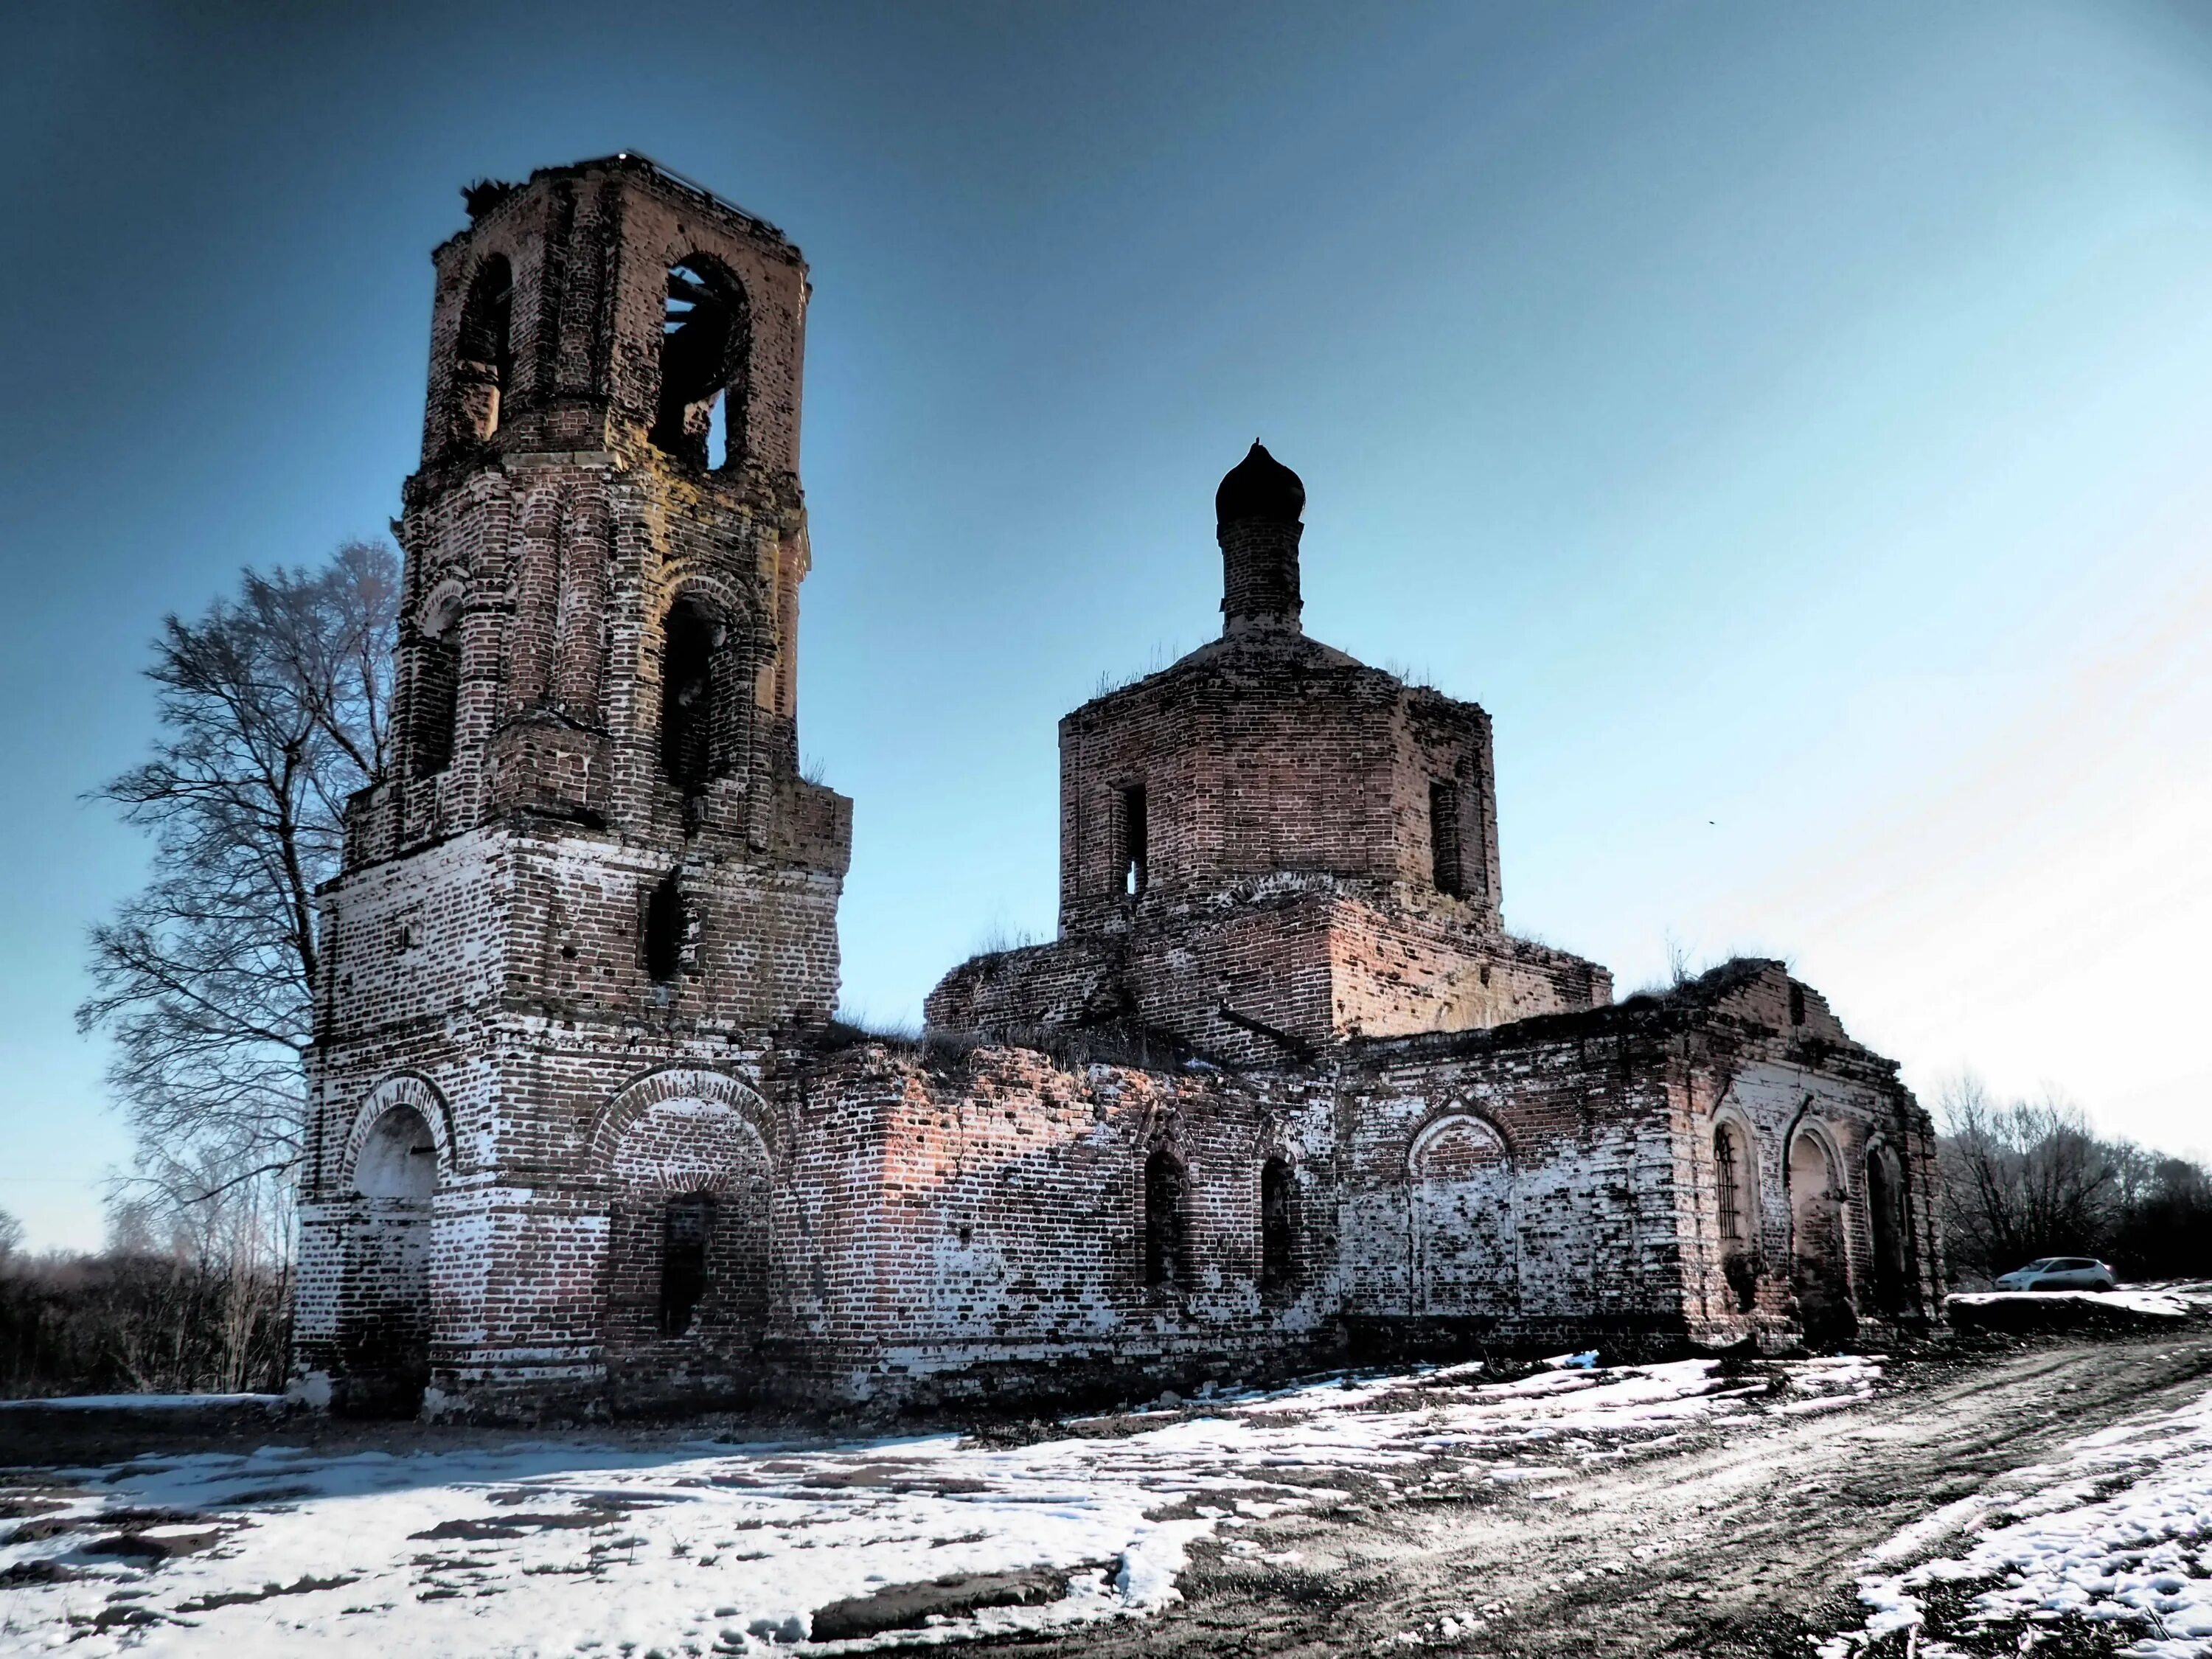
point(1136, 833)
point(1165, 1191)
point(1728, 1183)
point(665, 926)
point(687, 1230)
point(437, 691)
point(1278, 1224)
point(689, 663)
point(1443, 837)
point(1797, 1005)
point(483, 359)
point(706, 346)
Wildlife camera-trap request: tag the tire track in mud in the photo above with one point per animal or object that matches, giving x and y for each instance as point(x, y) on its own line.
point(1736, 1546)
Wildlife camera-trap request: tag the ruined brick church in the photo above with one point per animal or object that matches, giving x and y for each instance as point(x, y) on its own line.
point(1283, 1091)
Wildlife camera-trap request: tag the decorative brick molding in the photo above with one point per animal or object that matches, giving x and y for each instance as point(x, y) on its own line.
point(710, 1095)
point(1441, 1121)
point(401, 1089)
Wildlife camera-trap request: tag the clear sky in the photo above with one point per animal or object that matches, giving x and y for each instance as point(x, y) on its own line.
point(1790, 423)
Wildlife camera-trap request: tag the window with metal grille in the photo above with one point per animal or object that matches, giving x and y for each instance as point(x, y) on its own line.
point(1728, 1183)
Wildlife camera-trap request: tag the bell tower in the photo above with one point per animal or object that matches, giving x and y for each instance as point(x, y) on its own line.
point(594, 857)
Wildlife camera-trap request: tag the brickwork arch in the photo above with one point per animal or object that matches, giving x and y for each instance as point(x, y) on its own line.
point(711, 1094)
point(1442, 1121)
point(441, 606)
point(401, 1089)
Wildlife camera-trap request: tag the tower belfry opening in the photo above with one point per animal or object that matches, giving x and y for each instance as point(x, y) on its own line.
point(706, 349)
point(483, 366)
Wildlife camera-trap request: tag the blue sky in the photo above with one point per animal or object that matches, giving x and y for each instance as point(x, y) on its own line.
point(1788, 422)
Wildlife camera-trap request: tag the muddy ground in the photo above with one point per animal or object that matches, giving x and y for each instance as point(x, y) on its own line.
point(1743, 1544)
point(1737, 1541)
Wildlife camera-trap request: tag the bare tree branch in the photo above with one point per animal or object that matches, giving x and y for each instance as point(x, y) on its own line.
point(274, 708)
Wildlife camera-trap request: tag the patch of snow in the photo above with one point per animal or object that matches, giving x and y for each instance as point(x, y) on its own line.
point(2118, 1531)
point(140, 1403)
point(580, 1546)
point(2158, 1304)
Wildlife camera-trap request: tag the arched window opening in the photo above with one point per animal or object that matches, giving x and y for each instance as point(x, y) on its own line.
point(1278, 1224)
point(437, 689)
point(1885, 1221)
point(483, 356)
point(690, 668)
point(1728, 1182)
point(1734, 1181)
point(667, 931)
point(687, 1230)
point(399, 1159)
point(1166, 1194)
point(706, 348)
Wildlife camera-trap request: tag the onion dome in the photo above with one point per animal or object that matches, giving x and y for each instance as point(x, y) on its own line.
point(1260, 487)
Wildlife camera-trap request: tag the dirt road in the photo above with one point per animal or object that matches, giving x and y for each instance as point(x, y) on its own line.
point(1740, 1546)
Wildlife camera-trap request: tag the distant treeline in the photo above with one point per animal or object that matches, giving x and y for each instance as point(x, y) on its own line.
point(2028, 1179)
point(132, 1322)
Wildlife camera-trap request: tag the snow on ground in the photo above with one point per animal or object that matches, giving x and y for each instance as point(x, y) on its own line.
point(686, 1546)
point(142, 1402)
point(2159, 1303)
point(2119, 1531)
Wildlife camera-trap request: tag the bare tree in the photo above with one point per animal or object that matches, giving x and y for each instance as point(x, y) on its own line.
point(274, 706)
point(11, 1236)
point(2025, 1178)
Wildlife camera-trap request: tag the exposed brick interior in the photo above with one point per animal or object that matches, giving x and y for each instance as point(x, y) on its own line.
point(587, 1141)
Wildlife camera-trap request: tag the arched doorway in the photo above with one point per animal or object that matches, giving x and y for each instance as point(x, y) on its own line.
point(1465, 1240)
point(1817, 1269)
point(384, 1326)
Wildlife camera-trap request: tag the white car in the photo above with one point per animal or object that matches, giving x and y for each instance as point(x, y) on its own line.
point(2061, 1272)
